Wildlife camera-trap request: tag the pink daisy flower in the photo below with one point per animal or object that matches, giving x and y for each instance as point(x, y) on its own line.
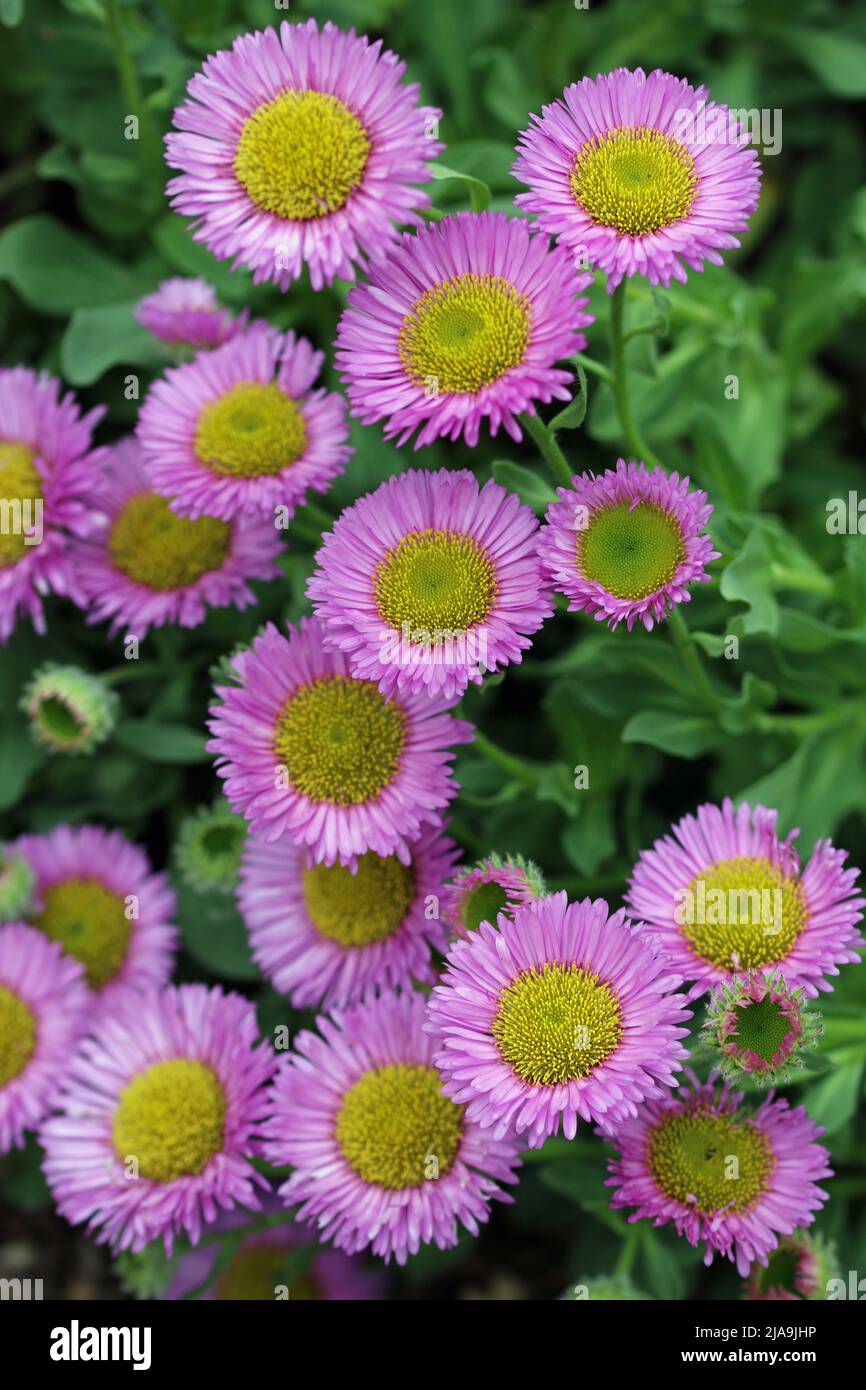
point(325, 936)
point(560, 1011)
point(46, 472)
point(639, 175)
point(43, 1004)
point(258, 1268)
point(309, 751)
point(465, 321)
point(430, 581)
point(625, 545)
point(723, 893)
point(735, 1180)
point(301, 146)
point(186, 311)
point(381, 1158)
point(145, 566)
point(159, 1116)
point(241, 430)
point(497, 884)
point(801, 1267)
point(97, 896)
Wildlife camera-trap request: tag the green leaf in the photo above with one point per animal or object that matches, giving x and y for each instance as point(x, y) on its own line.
point(479, 193)
point(590, 839)
point(662, 1276)
point(108, 336)
point(581, 1180)
point(57, 271)
point(189, 257)
point(834, 1100)
point(683, 735)
point(574, 414)
point(748, 580)
point(19, 759)
point(147, 1274)
point(531, 487)
point(11, 12)
point(161, 743)
point(838, 60)
point(213, 932)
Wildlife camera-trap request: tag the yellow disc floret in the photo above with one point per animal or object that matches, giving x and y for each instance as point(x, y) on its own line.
point(358, 909)
point(557, 1023)
point(635, 179)
point(254, 430)
point(396, 1129)
point(465, 333)
point(339, 740)
point(170, 1119)
point(161, 550)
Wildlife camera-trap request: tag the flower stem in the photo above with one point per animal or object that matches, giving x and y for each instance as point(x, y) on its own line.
point(628, 1251)
point(598, 369)
point(516, 767)
point(151, 154)
point(684, 643)
point(548, 448)
point(620, 378)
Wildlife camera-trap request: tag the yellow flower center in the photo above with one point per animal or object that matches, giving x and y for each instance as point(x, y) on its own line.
point(17, 1035)
point(699, 1156)
point(465, 333)
point(634, 179)
point(556, 1024)
point(743, 913)
point(340, 741)
point(438, 582)
point(631, 552)
point(358, 909)
point(396, 1129)
point(161, 550)
point(302, 155)
point(20, 489)
point(171, 1119)
point(254, 430)
point(90, 923)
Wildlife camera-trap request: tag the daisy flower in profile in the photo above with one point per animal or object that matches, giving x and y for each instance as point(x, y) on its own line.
point(430, 581)
point(464, 322)
point(283, 1261)
point(737, 1181)
point(145, 566)
point(47, 466)
point(69, 710)
point(760, 1026)
point(186, 312)
point(241, 430)
point(159, 1117)
point(208, 849)
point(310, 751)
point(17, 882)
point(381, 1158)
point(801, 1266)
point(325, 936)
point(559, 1011)
point(97, 897)
point(497, 884)
point(723, 893)
point(624, 545)
point(639, 175)
point(43, 1003)
point(301, 146)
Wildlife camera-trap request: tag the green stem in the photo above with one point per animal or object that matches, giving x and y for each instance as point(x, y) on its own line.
point(151, 154)
point(628, 1251)
point(685, 645)
point(596, 368)
point(548, 448)
point(132, 671)
point(805, 581)
point(620, 378)
point(516, 767)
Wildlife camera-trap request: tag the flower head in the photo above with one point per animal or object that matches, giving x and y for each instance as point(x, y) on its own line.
point(722, 894)
point(430, 581)
point(186, 312)
point(310, 751)
point(801, 1266)
point(464, 321)
point(242, 430)
point(497, 884)
point(625, 545)
point(43, 1007)
point(69, 710)
point(301, 146)
point(46, 470)
point(380, 1157)
point(559, 1011)
point(760, 1026)
point(147, 566)
point(209, 847)
point(639, 175)
point(735, 1180)
point(326, 936)
point(97, 896)
point(17, 881)
point(159, 1114)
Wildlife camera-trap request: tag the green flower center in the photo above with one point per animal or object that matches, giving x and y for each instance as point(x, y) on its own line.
point(743, 913)
point(340, 741)
point(634, 179)
point(254, 430)
point(90, 923)
point(171, 1119)
point(61, 725)
point(20, 488)
point(358, 909)
point(396, 1129)
point(762, 1028)
point(302, 155)
point(465, 333)
point(436, 581)
point(256, 1270)
point(631, 551)
point(17, 1035)
point(782, 1271)
point(711, 1159)
point(483, 904)
point(161, 550)
point(556, 1024)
